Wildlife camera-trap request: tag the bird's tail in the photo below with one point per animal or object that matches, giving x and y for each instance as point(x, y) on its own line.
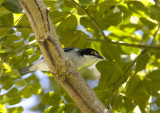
point(24, 70)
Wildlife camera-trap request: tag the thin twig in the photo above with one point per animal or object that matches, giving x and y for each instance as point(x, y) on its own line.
point(127, 44)
point(17, 26)
point(137, 45)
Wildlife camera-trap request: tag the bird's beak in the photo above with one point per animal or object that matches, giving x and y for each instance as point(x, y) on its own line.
point(100, 57)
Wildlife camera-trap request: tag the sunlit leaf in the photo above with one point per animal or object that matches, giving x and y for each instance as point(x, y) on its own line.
point(15, 109)
point(76, 39)
point(52, 109)
point(6, 82)
point(4, 11)
point(35, 88)
point(57, 16)
point(69, 23)
point(111, 52)
point(147, 22)
point(13, 97)
point(6, 21)
point(69, 3)
point(51, 99)
point(136, 91)
point(135, 6)
point(142, 61)
point(25, 92)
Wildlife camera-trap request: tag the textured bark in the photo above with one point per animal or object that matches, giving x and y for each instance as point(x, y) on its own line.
point(59, 64)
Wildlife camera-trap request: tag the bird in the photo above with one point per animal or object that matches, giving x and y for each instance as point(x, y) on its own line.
point(79, 57)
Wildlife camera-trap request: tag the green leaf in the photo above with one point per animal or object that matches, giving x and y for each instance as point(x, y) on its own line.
point(6, 82)
point(3, 11)
point(24, 27)
point(3, 33)
point(52, 109)
point(25, 92)
point(69, 3)
point(67, 108)
point(19, 83)
point(32, 79)
point(111, 52)
point(2, 100)
point(15, 109)
point(135, 91)
point(51, 3)
point(112, 19)
point(12, 92)
point(155, 12)
point(24, 21)
point(108, 73)
point(84, 21)
point(11, 31)
point(12, 39)
point(142, 61)
point(14, 100)
point(93, 9)
point(107, 6)
point(132, 85)
point(151, 82)
point(80, 11)
point(6, 21)
point(13, 97)
point(158, 101)
point(147, 22)
point(17, 45)
point(136, 6)
point(74, 39)
point(85, 2)
point(51, 99)
point(70, 23)
point(126, 14)
point(13, 6)
point(35, 88)
point(57, 16)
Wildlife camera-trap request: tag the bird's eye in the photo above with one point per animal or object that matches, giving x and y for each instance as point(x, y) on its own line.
point(92, 52)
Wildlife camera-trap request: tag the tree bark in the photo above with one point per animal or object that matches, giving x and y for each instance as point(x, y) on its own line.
point(59, 64)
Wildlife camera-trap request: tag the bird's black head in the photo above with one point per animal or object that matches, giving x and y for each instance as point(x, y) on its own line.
point(91, 52)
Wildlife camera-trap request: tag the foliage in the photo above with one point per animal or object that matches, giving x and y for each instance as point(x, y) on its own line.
point(130, 75)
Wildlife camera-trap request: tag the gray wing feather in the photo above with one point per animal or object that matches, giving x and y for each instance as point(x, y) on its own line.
point(24, 70)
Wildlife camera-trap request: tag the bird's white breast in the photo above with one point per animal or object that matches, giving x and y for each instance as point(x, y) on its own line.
point(78, 61)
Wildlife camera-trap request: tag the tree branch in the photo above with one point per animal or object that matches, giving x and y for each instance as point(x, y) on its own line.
point(127, 44)
point(59, 64)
